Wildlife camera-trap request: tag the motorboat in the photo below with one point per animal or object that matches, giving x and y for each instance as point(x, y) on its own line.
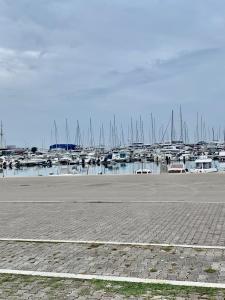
point(120, 156)
point(176, 168)
point(203, 165)
point(222, 156)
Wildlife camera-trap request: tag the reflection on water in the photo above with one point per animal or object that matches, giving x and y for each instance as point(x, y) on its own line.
point(120, 168)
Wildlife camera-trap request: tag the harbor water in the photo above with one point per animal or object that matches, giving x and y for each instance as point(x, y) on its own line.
point(78, 170)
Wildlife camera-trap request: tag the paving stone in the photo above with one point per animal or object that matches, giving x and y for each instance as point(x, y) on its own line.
point(115, 260)
point(186, 209)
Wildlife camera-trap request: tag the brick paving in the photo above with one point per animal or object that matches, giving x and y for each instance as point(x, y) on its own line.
point(167, 263)
point(177, 223)
point(179, 210)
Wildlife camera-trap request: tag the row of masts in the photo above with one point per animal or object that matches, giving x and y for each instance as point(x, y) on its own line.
point(115, 134)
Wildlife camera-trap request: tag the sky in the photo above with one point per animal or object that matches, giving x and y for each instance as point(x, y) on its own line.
point(82, 59)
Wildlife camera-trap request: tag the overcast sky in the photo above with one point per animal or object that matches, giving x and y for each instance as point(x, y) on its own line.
point(80, 58)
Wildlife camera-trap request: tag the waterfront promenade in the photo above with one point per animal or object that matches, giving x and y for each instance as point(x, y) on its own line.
point(153, 227)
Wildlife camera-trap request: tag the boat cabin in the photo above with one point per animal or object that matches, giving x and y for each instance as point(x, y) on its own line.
point(204, 165)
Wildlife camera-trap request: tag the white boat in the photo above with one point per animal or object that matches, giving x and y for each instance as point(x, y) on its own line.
point(65, 171)
point(120, 156)
point(204, 165)
point(66, 160)
point(176, 168)
point(222, 156)
point(143, 171)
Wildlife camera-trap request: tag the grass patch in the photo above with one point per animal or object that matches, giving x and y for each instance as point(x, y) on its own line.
point(198, 249)
point(93, 246)
point(4, 278)
point(139, 289)
point(210, 270)
point(55, 283)
point(153, 270)
point(84, 292)
point(167, 248)
point(173, 264)
point(59, 286)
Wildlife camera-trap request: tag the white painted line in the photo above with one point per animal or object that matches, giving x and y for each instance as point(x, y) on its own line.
point(96, 242)
point(112, 278)
point(112, 202)
point(38, 202)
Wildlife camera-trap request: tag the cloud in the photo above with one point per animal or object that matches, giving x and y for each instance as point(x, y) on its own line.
point(75, 58)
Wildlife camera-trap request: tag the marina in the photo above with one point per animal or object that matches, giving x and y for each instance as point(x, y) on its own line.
point(134, 159)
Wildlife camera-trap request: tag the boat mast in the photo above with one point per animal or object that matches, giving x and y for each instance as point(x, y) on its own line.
point(132, 131)
point(181, 125)
point(141, 126)
point(56, 134)
point(122, 136)
point(172, 128)
point(91, 135)
point(201, 129)
point(197, 129)
point(78, 135)
point(137, 133)
point(67, 136)
point(103, 136)
point(204, 132)
point(153, 136)
point(213, 134)
point(114, 133)
point(185, 132)
point(110, 134)
point(219, 131)
point(1, 136)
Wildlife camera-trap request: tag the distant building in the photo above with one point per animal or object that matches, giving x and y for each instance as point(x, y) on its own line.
point(11, 147)
point(13, 151)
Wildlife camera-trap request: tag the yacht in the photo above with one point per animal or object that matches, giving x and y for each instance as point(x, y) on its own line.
point(204, 165)
point(222, 156)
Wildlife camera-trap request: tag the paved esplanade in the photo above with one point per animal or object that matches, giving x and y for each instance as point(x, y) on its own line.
point(174, 209)
point(177, 209)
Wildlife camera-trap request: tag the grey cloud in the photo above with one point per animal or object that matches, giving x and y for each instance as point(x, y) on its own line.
point(143, 75)
point(62, 58)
